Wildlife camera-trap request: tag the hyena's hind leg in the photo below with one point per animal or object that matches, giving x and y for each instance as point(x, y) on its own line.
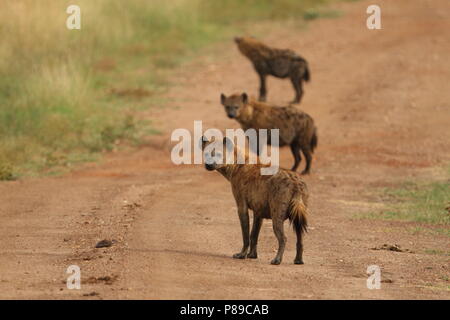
point(297, 82)
point(259, 145)
point(299, 256)
point(257, 223)
point(308, 155)
point(295, 148)
point(262, 86)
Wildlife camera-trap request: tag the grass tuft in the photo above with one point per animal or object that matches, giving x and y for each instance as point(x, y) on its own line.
point(6, 172)
point(314, 13)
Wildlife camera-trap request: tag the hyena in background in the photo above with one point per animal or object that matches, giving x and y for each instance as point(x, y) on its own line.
point(280, 63)
point(296, 128)
point(279, 197)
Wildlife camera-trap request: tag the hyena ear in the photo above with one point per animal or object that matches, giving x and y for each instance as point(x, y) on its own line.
point(244, 98)
point(228, 143)
point(237, 39)
point(222, 99)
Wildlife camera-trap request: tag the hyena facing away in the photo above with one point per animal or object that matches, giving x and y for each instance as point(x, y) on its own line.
point(280, 63)
point(296, 128)
point(279, 197)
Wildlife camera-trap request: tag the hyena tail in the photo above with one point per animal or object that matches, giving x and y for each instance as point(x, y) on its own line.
point(298, 214)
point(314, 140)
point(306, 74)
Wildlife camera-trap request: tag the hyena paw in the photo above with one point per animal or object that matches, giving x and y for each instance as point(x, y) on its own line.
point(239, 255)
point(304, 172)
point(298, 261)
point(275, 261)
point(252, 255)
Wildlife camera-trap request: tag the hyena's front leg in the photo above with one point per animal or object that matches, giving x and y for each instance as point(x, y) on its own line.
point(257, 223)
point(262, 86)
point(244, 219)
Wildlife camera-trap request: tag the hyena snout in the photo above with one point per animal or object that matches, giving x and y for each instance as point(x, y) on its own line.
point(232, 112)
point(211, 161)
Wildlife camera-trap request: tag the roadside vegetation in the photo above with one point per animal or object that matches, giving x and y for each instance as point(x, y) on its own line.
point(425, 202)
point(67, 96)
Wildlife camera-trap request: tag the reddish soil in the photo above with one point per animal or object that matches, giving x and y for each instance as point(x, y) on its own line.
point(381, 101)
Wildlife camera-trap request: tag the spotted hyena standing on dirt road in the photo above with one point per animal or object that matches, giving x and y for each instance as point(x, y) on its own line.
point(279, 197)
point(296, 128)
point(280, 63)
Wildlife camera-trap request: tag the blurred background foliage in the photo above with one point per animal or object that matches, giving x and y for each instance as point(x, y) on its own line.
point(68, 95)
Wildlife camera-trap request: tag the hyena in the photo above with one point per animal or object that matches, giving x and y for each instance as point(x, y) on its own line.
point(280, 63)
point(296, 128)
point(279, 197)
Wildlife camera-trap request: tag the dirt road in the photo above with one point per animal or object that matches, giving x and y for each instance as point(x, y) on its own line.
point(382, 106)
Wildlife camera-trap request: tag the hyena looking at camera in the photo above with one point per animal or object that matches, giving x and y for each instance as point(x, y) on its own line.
point(296, 128)
point(280, 63)
point(279, 197)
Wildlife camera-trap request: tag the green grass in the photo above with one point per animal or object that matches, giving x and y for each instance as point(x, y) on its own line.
point(315, 13)
point(66, 96)
point(418, 202)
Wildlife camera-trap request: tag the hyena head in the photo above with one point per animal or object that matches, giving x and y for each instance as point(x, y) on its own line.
point(216, 153)
point(237, 39)
point(234, 104)
point(247, 45)
point(240, 41)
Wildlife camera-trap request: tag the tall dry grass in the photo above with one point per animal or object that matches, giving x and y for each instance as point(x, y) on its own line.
point(54, 103)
